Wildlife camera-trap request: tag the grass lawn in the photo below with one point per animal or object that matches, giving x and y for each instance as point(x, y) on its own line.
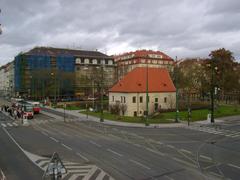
point(128, 119)
point(202, 114)
point(168, 117)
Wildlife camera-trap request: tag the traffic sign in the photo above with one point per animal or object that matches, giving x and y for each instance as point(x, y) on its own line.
point(55, 168)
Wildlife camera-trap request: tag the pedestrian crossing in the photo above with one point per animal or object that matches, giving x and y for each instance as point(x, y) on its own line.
point(9, 124)
point(215, 130)
point(75, 171)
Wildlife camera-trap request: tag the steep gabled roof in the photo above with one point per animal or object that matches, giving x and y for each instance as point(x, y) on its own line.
point(50, 51)
point(159, 80)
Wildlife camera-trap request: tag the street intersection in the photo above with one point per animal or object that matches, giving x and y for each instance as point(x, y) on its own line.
point(95, 150)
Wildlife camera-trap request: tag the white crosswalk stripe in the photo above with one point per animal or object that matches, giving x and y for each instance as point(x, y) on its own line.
point(74, 170)
point(8, 124)
point(3, 125)
point(212, 130)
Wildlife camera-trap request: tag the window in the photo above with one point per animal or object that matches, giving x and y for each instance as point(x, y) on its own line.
point(121, 99)
point(112, 98)
point(165, 99)
point(134, 99)
point(156, 99)
point(103, 61)
point(86, 61)
point(94, 61)
point(78, 61)
point(135, 113)
point(110, 62)
point(124, 99)
point(140, 99)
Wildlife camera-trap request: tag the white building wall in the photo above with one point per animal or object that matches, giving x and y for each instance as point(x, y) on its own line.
point(139, 107)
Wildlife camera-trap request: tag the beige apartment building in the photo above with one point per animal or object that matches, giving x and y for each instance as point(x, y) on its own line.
point(126, 62)
point(130, 93)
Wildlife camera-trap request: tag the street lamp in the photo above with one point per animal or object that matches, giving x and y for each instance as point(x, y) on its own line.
point(176, 84)
point(147, 97)
point(212, 90)
point(55, 88)
point(101, 117)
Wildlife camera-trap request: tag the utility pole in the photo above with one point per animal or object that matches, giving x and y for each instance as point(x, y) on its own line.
point(212, 93)
point(101, 116)
point(147, 97)
point(176, 84)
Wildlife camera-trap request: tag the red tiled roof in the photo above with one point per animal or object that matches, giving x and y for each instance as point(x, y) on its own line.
point(145, 53)
point(159, 80)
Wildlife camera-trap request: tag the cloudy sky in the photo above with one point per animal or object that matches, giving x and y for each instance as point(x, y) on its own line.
point(183, 28)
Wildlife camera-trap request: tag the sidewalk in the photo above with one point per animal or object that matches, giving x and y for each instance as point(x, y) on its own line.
point(83, 117)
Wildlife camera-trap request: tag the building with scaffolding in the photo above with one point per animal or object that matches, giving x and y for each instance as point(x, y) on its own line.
point(60, 73)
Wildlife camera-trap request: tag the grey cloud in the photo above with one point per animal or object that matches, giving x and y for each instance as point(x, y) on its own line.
point(182, 28)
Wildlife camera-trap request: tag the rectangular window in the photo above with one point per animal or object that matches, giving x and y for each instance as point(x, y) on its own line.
point(134, 99)
point(165, 99)
point(135, 113)
point(140, 99)
point(124, 99)
point(112, 98)
point(156, 99)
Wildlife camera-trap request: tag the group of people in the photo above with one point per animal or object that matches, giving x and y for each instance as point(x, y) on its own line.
point(13, 111)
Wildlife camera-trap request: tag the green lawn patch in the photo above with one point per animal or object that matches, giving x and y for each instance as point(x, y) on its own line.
point(128, 119)
point(202, 113)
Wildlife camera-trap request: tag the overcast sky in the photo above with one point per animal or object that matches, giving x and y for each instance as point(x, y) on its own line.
point(183, 28)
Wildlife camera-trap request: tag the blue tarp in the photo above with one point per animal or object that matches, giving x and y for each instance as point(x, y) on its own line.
point(66, 63)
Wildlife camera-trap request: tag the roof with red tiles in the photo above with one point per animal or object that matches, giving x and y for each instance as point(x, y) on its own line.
point(144, 54)
point(159, 80)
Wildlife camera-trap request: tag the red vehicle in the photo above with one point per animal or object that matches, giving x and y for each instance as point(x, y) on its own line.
point(36, 106)
point(27, 110)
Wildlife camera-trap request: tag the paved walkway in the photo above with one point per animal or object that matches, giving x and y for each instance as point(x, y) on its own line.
point(84, 117)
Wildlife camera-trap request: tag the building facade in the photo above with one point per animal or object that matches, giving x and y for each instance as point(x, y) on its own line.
point(7, 79)
point(60, 73)
point(130, 93)
point(126, 62)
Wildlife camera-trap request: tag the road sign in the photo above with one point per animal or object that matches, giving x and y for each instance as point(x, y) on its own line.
point(55, 168)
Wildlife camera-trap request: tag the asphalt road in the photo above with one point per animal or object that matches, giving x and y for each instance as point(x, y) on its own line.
point(197, 152)
point(13, 162)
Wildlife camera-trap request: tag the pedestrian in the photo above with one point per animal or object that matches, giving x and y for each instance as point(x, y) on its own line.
point(15, 113)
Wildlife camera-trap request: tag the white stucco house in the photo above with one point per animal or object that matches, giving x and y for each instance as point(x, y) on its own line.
point(130, 91)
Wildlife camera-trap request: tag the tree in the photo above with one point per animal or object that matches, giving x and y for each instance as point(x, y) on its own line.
point(223, 62)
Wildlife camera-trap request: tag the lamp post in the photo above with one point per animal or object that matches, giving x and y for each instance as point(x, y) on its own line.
point(176, 84)
point(101, 116)
point(147, 98)
point(212, 90)
point(55, 88)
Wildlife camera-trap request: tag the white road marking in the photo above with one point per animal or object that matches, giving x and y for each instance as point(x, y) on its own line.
point(15, 124)
point(9, 124)
point(66, 146)
point(235, 166)
point(206, 157)
point(170, 146)
point(3, 125)
point(54, 139)
point(44, 133)
point(94, 143)
point(140, 164)
point(138, 145)
point(184, 162)
point(114, 152)
point(83, 157)
point(157, 152)
point(186, 151)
